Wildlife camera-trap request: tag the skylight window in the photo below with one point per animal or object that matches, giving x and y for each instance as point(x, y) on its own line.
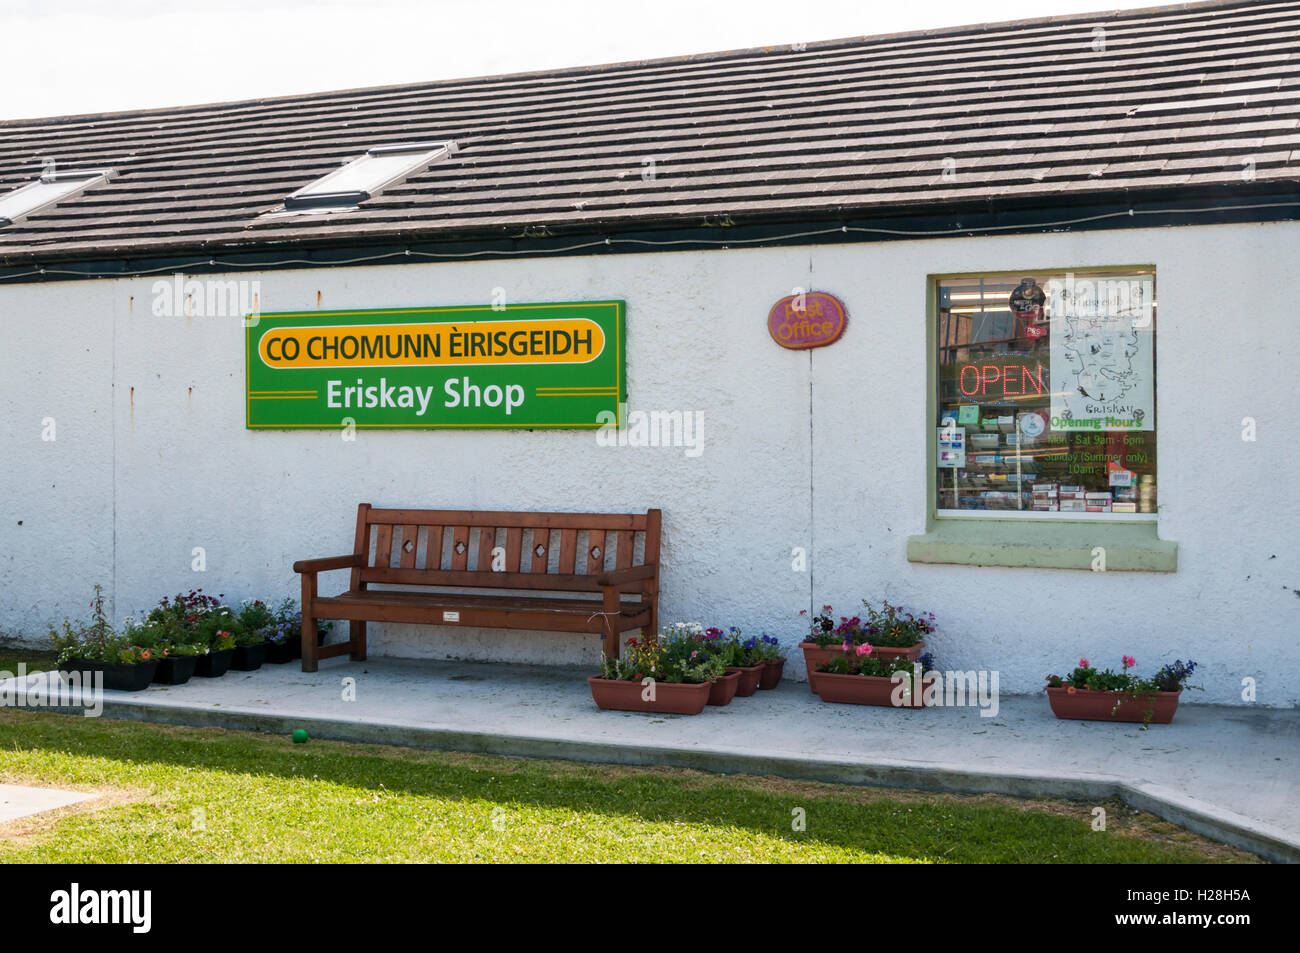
point(369, 175)
point(46, 191)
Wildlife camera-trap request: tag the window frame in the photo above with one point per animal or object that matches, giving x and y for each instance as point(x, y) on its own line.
point(312, 197)
point(78, 180)
point(1043, 540)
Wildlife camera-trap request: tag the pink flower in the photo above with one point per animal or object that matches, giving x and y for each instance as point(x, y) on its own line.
point(1129, 661)
point(1083, 663)
point(864, 648)
point(847, 646)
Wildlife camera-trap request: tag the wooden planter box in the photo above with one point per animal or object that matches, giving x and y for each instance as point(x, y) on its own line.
point(859, 690)
point(771, 676)
point(671, 698)
point(814, 655)
point(723, 688)
point(1085, 705)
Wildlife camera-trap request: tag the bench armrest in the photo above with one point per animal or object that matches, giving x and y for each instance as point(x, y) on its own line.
point(632, 574)
point(329, 562)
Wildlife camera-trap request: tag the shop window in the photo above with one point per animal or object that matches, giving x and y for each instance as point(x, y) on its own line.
point(1047, 396)
point(1042, 439)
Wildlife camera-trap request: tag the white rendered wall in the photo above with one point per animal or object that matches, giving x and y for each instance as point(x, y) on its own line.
point(822, 449)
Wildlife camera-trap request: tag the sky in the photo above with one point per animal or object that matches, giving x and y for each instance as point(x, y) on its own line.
point(79, 56)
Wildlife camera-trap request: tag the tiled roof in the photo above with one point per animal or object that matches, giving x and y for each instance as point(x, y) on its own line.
point(1165, 98)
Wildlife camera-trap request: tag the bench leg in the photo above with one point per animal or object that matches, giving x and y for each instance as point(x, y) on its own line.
point(358, 633)
point(651, 631)
point(309, 661)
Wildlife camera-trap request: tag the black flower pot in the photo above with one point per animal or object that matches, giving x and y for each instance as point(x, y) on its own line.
point(249, 658)
point(214, 663)
point(278, 653)
point(175, 669)
point(118, 676)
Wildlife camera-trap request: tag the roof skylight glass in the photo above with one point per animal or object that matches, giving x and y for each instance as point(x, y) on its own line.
point(46, 191)
point(369, 175)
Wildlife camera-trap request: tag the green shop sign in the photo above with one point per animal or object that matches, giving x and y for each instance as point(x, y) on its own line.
point(518, 366)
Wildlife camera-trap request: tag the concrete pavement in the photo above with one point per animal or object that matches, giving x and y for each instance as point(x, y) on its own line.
point(1230, 773)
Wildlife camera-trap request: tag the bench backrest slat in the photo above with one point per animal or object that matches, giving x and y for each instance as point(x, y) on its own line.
point(542, 551)
point(633, 521)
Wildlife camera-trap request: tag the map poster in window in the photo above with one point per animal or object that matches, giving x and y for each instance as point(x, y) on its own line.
point(1102, 355)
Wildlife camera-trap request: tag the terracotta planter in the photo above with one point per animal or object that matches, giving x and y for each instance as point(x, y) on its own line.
point(214, 664)
point(670, 698)
point(814, 655)
point(771, 676)
point(749, 676)
point(859, 690)
point(1086, 705)
point(724, 688)
point(175, 669)
point(118, 676)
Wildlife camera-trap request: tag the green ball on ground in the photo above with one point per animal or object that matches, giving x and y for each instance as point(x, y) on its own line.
point(299, 735)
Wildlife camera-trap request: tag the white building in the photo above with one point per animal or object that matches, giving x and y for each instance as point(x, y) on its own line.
point(916, 178)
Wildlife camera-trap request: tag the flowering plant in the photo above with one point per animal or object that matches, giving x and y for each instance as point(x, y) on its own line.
point(1170, 678)
point(866, 664)
point(768, 648)
point(749, 651)
point(98, 641)
point(218, 628)
point(683, 652)
point(184, 615)
point(890, 626)
point(181, 649)
point(254, 616)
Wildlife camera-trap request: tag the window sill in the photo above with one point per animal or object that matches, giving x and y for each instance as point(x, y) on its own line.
point(1059, 544)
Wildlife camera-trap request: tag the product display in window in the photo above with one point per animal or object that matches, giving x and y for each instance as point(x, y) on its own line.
point(1047, 383)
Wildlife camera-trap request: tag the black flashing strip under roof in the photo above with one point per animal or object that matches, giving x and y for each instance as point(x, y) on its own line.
point(1215, 205)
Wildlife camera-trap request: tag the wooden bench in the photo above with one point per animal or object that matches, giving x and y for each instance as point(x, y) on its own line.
point(581, 572)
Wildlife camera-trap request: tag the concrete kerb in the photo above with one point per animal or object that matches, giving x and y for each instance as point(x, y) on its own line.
point(1199, 817)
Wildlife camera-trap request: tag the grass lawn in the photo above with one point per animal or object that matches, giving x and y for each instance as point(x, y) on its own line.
point(36, 661)
point(174, 794)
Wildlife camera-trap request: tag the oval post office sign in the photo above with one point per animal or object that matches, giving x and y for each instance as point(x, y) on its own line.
point(802, 321)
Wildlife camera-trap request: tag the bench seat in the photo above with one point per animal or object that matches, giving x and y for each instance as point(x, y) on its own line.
point(596, 573)
point(489, 611)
